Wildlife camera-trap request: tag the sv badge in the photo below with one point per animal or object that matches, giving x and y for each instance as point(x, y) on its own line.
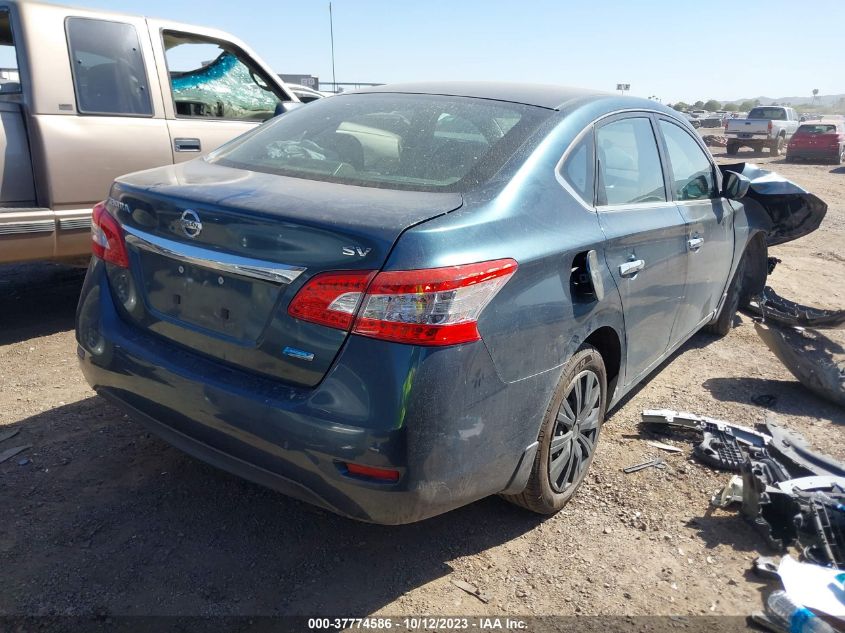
point(353, 251)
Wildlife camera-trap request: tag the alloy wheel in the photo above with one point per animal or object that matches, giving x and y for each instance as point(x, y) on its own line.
point(575, 432)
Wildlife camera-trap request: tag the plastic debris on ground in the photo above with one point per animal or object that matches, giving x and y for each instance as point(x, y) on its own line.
point(788, 493)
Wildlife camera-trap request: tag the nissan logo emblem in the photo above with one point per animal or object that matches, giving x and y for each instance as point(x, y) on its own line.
point(190, 223)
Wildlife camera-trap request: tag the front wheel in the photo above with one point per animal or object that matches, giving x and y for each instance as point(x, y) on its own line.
point(732, 148)
point(569, 434)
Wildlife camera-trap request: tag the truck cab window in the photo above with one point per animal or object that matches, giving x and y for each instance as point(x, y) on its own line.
point(212, 80)
point(109, 76)
point(10, 81)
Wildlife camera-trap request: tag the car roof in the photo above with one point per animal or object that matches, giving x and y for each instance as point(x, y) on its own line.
point(541, 95)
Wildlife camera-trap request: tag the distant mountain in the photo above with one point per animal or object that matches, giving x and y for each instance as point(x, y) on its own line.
point(820, 100)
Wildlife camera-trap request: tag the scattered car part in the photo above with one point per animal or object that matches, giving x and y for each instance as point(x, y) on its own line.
point(786, 211)
point(471, 590)
point(730, 494)
point(687, 420)
point(808, 355)
point(765, 566)
point(6, 435)
point(789, 493)
point(793, 447)
point(9, 453)
point(775, 309)
point(664, 447)
point(813, 483)
point(653, 463)
point(813, 586)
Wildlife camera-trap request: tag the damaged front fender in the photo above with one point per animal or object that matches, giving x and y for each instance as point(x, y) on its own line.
point(778, 206)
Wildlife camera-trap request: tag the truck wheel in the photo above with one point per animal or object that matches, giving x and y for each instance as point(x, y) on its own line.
point(569, 434)
point(732, 148)
point(777, 146)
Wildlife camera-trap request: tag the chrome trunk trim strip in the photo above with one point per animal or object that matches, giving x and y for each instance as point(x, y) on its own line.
point(215, 260)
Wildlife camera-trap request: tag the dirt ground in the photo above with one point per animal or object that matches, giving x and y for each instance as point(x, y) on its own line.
point(100, 517)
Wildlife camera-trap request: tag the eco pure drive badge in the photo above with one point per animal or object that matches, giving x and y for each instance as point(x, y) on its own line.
point(190, 223)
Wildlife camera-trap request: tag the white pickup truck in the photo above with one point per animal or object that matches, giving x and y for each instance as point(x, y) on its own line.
point(766, 126)
point(86, 96)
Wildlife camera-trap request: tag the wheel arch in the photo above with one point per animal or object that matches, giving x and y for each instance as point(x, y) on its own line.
point(609, 345)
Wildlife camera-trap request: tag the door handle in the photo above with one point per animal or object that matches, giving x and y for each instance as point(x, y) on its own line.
point(187, 145)
point(694, 243)
point(629, 269)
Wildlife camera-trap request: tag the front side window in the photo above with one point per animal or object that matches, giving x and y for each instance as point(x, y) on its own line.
point(418, 142)
point(629, 170)
point(214, 80)
point(108, 68)
point(10, 80)
point(692, 172)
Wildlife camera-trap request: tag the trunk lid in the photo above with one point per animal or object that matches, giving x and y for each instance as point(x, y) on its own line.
point(217, 253)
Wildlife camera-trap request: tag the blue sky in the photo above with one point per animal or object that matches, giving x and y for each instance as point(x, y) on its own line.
point(674, 49)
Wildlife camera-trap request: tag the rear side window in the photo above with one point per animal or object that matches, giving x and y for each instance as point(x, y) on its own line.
point(692, 172)
point(10, 80)
point(399, 141)
point(577, 169)
point(629, 170)
point(108, 68)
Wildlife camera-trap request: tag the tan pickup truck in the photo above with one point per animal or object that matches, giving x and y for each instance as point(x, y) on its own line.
point(86, 96)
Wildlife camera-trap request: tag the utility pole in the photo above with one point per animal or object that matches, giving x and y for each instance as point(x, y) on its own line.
point(331, 31)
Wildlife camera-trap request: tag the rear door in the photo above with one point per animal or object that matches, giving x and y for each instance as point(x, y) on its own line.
point(709, 218)
point(646, 236)
point(214, 90)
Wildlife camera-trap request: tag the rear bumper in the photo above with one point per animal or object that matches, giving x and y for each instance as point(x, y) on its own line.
point(442, 417)
point(812, 154)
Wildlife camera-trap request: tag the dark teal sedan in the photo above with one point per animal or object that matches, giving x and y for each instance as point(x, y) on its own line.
point(395, 302)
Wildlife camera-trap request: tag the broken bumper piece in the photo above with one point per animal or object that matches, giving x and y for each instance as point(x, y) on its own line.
point(811, 357)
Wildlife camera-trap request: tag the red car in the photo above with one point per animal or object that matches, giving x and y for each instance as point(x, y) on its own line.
point(823, 140)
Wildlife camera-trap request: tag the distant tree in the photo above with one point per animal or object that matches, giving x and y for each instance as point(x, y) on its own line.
point(680, 106)
point(698, 105)
point(746, 105)
point(730, 107)
point(756, 102)
point(815, 93)
point(712, 105)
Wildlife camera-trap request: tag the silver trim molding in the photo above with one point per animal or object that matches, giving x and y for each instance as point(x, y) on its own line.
point(214, 260)
point(33, 226)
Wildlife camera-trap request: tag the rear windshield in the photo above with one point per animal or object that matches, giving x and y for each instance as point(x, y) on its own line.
point(397, 141)
point(816, 128)
point(774, 114)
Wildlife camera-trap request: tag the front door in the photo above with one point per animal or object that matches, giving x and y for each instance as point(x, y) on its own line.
point(709, 219)
point(645, 234)
point(217, 92)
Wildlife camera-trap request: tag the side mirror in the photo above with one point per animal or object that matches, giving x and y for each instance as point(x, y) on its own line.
point(283, 107)
point(735, 186)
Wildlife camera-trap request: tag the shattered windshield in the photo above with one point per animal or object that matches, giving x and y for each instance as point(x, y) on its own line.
point(421, 142)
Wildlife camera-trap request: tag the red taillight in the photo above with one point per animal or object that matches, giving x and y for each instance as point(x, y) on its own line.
point(371, 472)
point(107, 238)
point(434, 306)
point(331, 298)
point(770, 126)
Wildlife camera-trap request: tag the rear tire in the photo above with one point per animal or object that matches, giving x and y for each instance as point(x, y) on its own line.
point(732, 149)
point(777, 146)
point(569, 434)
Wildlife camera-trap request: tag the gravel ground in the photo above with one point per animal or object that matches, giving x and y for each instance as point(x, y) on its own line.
point(99, 517)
